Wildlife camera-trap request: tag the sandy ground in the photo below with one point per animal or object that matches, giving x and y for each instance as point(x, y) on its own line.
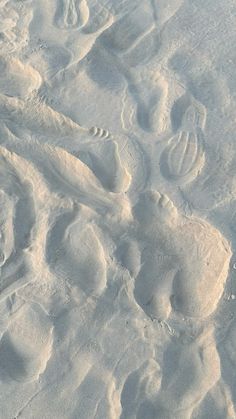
point(117, 209)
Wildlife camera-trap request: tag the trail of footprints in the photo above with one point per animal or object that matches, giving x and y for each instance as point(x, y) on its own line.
point(178, 265)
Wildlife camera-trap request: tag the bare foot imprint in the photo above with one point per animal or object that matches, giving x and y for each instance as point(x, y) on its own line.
point(184, 261)
point(77, 254)
point(103, 158)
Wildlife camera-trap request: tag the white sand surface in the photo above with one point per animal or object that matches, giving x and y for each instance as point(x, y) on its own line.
point(117, 209)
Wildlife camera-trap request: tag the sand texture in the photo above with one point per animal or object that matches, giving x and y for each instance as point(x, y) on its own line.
point(117, 209)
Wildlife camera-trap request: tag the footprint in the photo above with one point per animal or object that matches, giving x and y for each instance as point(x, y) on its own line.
point(135, 158)
point(84, 251)
point(105, 162)
point(78, 254)
point(184, 264)
point(26, 346)
point(154, 208)
point(152, 292)
point(72, 14)
point(153, 285)
point(117, 163)
point(150, 97)
point(183, 158)
point(128, 254)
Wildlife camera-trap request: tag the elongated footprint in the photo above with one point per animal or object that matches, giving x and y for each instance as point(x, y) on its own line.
point(78, 253)
point(104, 160)
point(72, 14)
point(184, 156)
